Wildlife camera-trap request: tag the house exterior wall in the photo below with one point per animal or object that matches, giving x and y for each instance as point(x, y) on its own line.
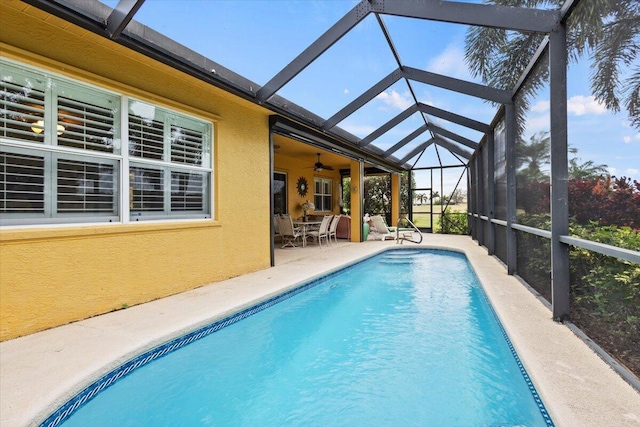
point(296, 168)
point(52, 275)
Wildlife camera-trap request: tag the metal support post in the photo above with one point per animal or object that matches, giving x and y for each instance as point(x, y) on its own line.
point(560, 289)
point(490, 196)
point(510, 154)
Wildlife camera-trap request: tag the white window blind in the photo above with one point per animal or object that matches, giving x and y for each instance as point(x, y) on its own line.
point(22, 101)
point(173, 172)
point(21, 183)
point(84, 125)
point(61, 157)
point(147, 187)
point(187, 190)
point(146, 138)
point(186, 146)
point(86, 187)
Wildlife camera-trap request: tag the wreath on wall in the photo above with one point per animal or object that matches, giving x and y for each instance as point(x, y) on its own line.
point(302, 186)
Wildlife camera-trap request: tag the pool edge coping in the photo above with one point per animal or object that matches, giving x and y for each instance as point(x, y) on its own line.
point(564, 408)
point(154, 351)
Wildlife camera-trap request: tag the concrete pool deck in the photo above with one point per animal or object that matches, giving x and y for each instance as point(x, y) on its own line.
point(39, 372)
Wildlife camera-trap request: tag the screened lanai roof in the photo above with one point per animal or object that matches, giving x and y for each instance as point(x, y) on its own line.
point(385, 80)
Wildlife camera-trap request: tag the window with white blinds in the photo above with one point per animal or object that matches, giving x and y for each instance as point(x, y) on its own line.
point(147, 190)
point(187, 189)
point(169, 163)
point(21, 105)
point(21, 183)
point(61, 158)
point(85, 125)
point(146, 138)
point(86, 187)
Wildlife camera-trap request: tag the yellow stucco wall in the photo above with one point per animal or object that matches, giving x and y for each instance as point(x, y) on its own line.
point(357, 187)
point(395, 199)
point(54, 275)
point(296, 168)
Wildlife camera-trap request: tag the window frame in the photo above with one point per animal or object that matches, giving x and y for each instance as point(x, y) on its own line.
point(192, 157)
point(321, 197)
point(170, 119)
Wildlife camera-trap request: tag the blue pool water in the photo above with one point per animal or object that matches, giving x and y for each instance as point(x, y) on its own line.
point(405, 338)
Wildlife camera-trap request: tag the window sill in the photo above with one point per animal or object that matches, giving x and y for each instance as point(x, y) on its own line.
point(66, 231)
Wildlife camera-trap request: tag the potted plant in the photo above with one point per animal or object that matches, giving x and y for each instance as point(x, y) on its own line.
point(306, 206)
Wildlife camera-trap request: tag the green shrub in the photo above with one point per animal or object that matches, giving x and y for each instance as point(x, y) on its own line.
point(601, 286)
point(453, 223)
point(610, 287)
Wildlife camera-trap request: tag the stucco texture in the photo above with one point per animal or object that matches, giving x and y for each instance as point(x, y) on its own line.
point(296, 168)
point(55, 275)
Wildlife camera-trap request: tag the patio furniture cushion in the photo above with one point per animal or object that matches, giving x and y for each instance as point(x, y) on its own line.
point(344, 227)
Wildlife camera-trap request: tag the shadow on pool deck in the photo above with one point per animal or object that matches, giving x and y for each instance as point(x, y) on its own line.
point(39, 372)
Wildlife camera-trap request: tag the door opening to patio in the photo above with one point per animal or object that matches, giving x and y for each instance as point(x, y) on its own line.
point(279, 193)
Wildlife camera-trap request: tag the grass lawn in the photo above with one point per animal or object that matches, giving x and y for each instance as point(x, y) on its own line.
point(422, 219)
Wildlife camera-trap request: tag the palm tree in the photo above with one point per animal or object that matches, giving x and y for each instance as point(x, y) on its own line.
point(532, 156)
point(586, 170)
point(606, 30)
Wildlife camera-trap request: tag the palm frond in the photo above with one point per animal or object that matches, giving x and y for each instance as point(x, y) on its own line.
point(617, 48)
point(482, 45)
point(632, 97)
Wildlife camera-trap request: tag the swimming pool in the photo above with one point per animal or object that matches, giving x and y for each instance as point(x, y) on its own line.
point(404, 338)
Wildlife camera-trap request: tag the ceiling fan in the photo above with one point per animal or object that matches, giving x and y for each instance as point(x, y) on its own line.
point(319, 166)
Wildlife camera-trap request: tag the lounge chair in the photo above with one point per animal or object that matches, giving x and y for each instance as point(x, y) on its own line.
point(381, 230)
point(323, 231)
point(288, 233)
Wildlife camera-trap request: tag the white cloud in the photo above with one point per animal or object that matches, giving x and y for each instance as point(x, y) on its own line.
point(346, 91)
point(626, 139)
point(451, 63)
point(358, 130)
point(396, 100)
point(541, 106)
point(537, 124)
point(580, 105)
point(632, 171)
point(612, 171)
point(577, 105)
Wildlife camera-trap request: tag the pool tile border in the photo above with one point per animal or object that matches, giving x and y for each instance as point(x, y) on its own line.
point(523, 371)
point(84, 396)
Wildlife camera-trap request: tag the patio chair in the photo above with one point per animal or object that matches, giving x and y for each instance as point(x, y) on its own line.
point(288, 232)
point(382, 231)
point(333, 227)
point(276, 227)
point(323, 231)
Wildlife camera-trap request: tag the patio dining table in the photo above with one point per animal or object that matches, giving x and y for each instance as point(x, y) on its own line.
point(306, 226)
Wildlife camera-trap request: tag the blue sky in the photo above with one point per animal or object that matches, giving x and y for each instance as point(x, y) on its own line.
point(258, 38)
